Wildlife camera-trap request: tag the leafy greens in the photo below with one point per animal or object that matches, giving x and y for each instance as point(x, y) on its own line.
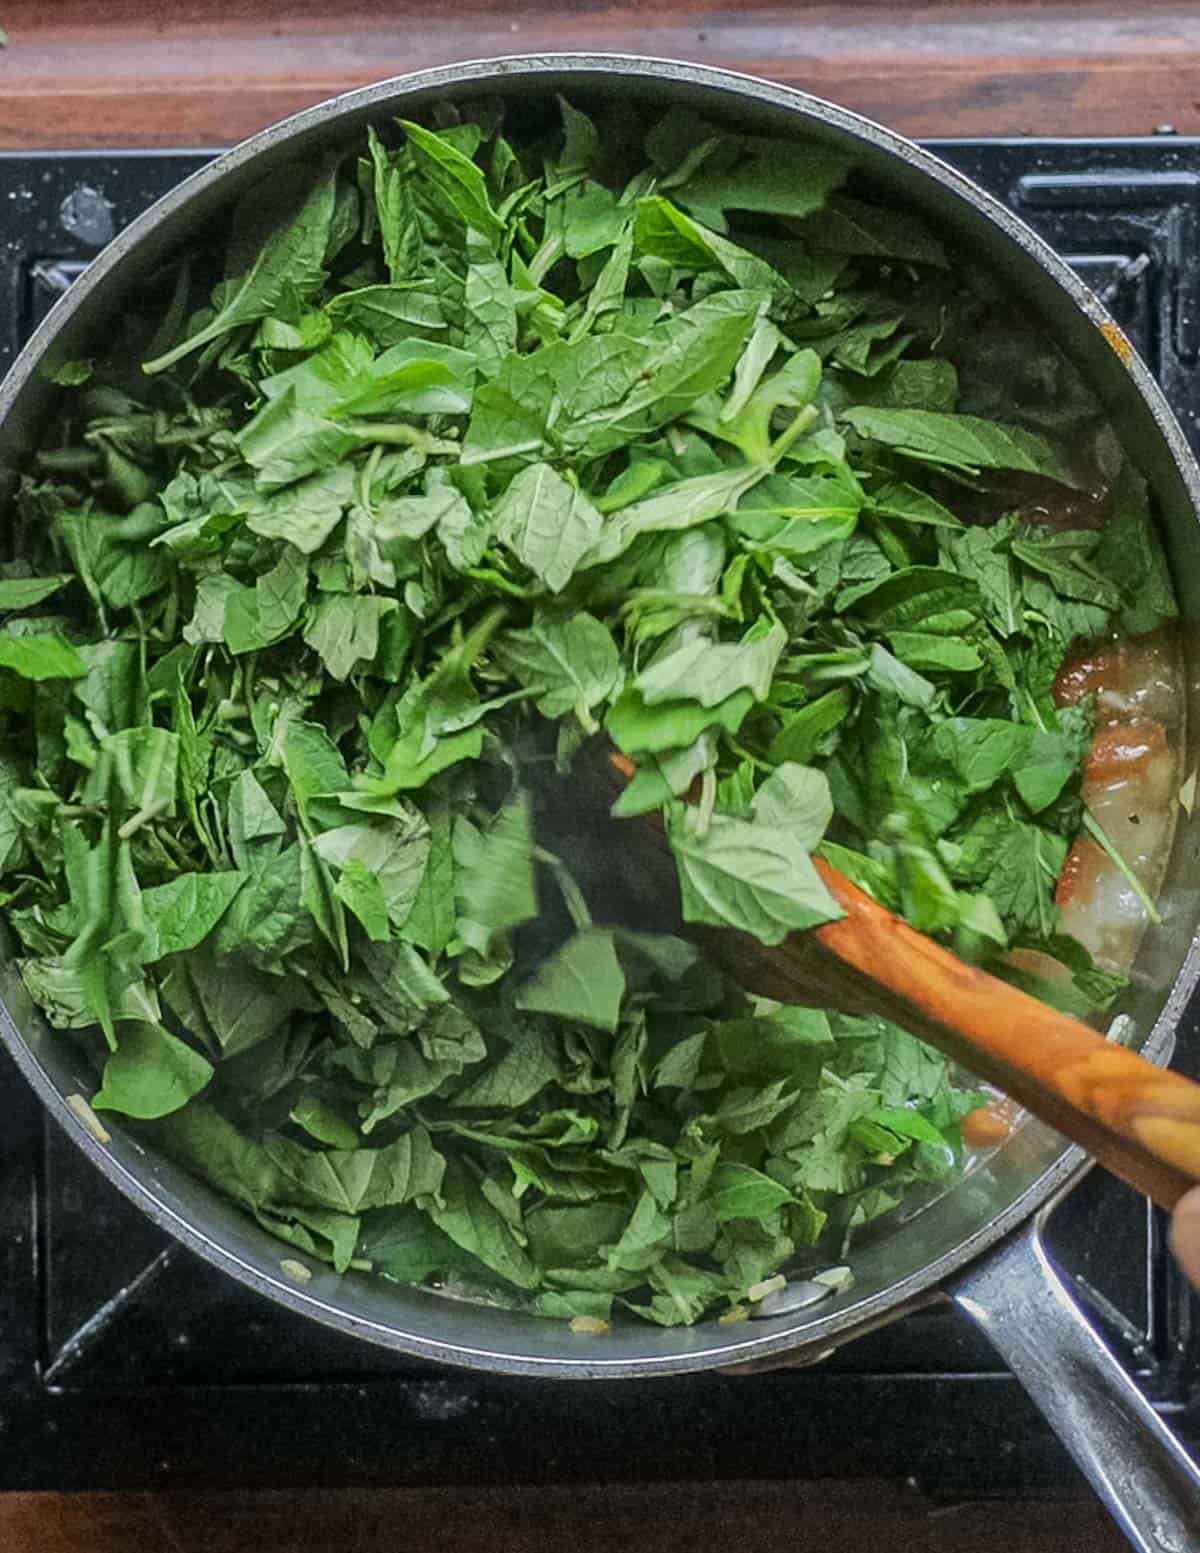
point(463, 439)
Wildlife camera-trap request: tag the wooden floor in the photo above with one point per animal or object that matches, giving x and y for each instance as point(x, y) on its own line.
point(866, 1517)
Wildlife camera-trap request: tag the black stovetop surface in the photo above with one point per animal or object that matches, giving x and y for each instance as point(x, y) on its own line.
point(126, 1362)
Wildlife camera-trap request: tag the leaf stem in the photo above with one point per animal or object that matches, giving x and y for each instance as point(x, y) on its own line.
point(802, 420)
point(401, 434)
point(143, 816)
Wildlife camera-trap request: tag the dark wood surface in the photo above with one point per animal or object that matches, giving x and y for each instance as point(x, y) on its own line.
point(764, 1518)
point(207, 72)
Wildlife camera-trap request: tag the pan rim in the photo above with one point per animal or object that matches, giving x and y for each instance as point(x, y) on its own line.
point(838, 1325)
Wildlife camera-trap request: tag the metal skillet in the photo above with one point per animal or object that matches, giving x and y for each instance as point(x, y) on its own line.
point(979, 1245)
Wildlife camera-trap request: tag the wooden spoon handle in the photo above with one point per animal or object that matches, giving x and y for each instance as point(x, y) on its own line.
point(1140, 1121)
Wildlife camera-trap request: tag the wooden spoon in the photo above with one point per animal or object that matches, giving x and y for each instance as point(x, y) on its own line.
point(1141, 1122)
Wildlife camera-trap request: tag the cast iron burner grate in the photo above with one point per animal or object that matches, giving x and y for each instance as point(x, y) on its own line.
point(125, 1361)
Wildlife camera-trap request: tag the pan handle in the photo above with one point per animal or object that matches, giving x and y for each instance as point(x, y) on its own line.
point(1137, 1467)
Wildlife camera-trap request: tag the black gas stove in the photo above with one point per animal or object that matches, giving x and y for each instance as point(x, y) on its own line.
point(126, 1362)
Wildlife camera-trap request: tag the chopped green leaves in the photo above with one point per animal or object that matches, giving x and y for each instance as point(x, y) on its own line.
point(343, 630)
point(582, 981)
point(281, 234)
point(710, 673)
point(570, 662)
point(41, 657)
point(182, 913)
point(151, 1073)
point(748, 875)
point(961, 442)
point(461, 461)
point(549, 524)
